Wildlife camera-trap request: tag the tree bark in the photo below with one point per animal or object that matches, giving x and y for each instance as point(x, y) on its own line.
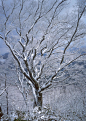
point(37, 96)
point(6, 93)
point(38, 100)
point(1, 114)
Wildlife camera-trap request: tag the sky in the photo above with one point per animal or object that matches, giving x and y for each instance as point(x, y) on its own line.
point(4, 48)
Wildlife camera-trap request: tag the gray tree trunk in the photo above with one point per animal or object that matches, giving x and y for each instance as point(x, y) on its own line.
point(38, 102)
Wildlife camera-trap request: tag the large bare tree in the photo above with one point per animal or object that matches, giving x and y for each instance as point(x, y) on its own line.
point(39, 34)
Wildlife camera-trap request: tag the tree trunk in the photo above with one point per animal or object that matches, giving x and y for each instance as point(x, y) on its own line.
point(38, 100)
point(1, 114)
point(37, 96)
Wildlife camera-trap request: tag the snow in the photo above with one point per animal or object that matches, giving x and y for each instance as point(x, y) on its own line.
point(32, 56)
point(55, 77)
point(44, 50)
point(36, 70)
point(25, 58)
point(42, 117)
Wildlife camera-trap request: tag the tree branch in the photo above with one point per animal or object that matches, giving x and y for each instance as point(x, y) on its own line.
point(79, 17)
point(66, 65)
point(1, 37)
point(20, 65)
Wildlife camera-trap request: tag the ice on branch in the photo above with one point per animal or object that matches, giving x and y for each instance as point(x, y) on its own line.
point(25, 58)
point(32, 56)
point(44, 50)
point(36, 70)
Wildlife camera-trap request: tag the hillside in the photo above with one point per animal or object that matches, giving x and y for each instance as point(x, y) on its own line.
point(67, 96)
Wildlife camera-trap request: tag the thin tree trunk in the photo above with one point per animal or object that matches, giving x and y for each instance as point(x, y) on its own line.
point(1, 114)
point(6, 94)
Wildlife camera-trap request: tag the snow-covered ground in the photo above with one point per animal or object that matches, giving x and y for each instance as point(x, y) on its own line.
point(68, 101)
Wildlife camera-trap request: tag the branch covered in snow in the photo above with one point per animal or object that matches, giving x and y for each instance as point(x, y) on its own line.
point(3, 91)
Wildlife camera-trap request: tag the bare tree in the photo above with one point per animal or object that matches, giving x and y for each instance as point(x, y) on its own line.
point(38, 34)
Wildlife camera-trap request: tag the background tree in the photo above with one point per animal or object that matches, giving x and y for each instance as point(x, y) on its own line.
point(38, 34)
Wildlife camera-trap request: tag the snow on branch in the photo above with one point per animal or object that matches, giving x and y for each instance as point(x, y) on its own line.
point(1, 37)
point(62, 66)
point(79, 17)
point(40, 73)
point(33, 90)
point(45, 86)
point(20, 65)
point(7, 17)
point(3, 91)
